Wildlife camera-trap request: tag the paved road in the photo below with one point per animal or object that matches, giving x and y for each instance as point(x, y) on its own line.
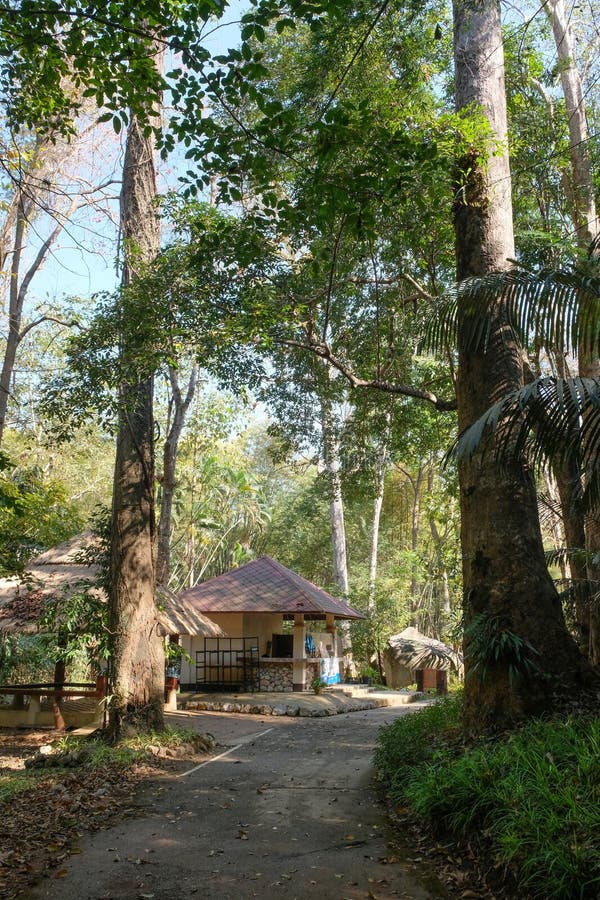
point(288, 811)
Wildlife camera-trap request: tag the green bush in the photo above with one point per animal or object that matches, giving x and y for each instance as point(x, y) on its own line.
point(415, 739)
point(533, 797)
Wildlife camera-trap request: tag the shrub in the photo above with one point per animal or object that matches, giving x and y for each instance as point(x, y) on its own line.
point(532, 797)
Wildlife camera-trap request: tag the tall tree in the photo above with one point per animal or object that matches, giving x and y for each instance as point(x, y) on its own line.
point(517, 648)
point(137, 652)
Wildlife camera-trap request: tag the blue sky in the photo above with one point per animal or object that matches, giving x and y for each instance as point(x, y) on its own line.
point(83, 261)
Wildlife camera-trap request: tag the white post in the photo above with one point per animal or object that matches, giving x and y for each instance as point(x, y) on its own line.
point(299, 663)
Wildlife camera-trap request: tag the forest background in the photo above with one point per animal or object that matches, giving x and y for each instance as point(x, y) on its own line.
point(321, 201)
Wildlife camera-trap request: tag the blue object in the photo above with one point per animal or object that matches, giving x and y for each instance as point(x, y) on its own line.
point(309, 644)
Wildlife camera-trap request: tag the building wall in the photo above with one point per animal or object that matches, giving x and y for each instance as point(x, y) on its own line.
point(260, 625)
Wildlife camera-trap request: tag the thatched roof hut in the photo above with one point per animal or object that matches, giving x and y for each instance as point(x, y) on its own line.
point(59, 572)
point(410, 651)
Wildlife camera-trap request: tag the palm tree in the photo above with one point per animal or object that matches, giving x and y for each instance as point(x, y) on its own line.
point(554, 419)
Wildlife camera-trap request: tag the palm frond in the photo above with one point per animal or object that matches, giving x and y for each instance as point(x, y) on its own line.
point(559, 309)
point(549, 419)
point(562, 556)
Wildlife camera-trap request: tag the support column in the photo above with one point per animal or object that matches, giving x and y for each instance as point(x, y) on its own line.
point(34, 710)
point(332, 631)
point(299, 664)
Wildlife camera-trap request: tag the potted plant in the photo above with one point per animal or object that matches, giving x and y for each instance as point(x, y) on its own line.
point(317, 685)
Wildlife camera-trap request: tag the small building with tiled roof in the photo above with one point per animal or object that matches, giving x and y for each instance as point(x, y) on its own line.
point(280, 631)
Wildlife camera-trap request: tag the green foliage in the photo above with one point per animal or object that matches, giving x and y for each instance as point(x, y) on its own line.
point(201, 298)
point(98, 754)
point(490, 645)
point(222, 507)
point(414, 740)
point(35, 513)
point(317, 685)
point(27, 657)
point(531, 797)
point(13, 783)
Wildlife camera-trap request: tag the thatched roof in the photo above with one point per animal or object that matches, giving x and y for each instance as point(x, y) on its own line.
point(57, 574)
point(265, 586)
point(178, 617)
point(417, 651)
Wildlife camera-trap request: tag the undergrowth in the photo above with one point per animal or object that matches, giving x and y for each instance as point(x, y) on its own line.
point(98, 753)
point(13, 783)
point(532, 797)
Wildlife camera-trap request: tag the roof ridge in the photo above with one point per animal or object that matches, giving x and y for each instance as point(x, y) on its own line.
point(292, 576)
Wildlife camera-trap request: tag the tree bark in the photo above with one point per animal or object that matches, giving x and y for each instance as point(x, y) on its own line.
point(137, 651)
point(18, 290)
point(583, 204)
point(444, 609)
point(417, 484)
point(507, 588)
point(587, 226)
point(331, 462)
point(180, 406)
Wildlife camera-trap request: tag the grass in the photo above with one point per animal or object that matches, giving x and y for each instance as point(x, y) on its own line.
point(14, 783)
point(99, 754)
point(532, 798)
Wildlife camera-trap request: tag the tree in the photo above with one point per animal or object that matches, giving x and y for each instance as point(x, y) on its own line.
point(46, 188)
point(137, 652)
point(512, 613)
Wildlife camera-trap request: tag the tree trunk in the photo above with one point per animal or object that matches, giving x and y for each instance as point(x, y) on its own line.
point(585, 219)
point(168, 482)
point(507, 588)
point(15, 313)
point(377, 505)
point(137, 651)
point(331, 461)
point(380, 470)
point(583, 204)
point(19, 288)
point(444, 609)
point(414, 544)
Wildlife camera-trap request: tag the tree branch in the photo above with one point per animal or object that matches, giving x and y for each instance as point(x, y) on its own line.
point(31, 325)
point(323, 351)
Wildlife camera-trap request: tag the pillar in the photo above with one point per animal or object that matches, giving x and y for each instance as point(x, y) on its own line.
point(299, 663)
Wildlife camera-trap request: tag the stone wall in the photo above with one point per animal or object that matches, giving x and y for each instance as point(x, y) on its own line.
point(279, 676)
point(275, 676)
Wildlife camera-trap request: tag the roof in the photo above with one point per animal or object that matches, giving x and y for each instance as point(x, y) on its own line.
point(265, 586)
point(417, 651)
point(180, 617)
point(57, 573)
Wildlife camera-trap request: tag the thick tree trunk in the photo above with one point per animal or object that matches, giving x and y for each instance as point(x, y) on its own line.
point(507, 588)
point(137, 651)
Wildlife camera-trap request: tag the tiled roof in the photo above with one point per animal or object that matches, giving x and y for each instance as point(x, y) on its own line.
point(265, 586)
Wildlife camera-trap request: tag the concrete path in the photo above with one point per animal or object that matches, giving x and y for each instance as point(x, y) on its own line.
point(285, 810)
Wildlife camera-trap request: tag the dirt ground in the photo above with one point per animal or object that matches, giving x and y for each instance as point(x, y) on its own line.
point(43, 825)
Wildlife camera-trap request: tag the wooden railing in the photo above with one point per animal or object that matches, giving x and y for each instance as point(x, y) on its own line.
point(57, 690)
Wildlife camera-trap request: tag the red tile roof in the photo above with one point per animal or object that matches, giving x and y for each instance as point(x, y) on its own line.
point(265, 586)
